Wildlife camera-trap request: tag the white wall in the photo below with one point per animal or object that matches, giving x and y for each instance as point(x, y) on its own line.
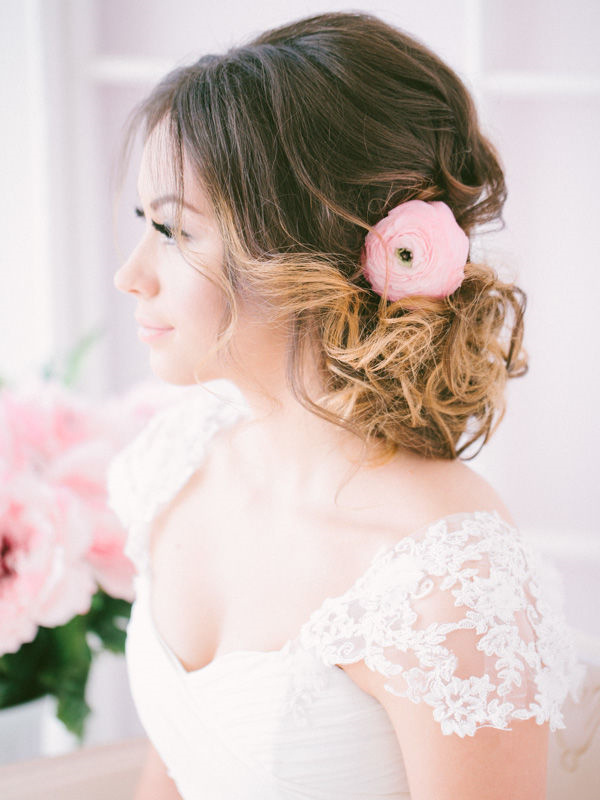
point(25, 305)
point(534, 67)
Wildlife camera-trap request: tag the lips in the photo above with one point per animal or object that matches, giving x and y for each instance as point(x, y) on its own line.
point(155, 326)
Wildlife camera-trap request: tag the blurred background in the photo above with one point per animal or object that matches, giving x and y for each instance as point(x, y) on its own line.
point(73, 69)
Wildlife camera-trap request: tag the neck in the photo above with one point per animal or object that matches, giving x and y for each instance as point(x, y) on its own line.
point(283, 448)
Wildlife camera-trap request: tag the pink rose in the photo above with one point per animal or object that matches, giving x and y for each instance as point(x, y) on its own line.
point(44, 579)
point(423, 248)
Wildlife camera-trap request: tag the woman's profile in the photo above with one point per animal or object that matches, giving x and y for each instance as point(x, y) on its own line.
point(329, 602)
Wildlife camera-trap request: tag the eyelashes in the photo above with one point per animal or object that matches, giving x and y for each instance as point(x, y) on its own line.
point(164, 229)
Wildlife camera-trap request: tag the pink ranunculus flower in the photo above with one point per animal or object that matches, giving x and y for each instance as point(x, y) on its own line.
point(44, 579)
point(422, 247)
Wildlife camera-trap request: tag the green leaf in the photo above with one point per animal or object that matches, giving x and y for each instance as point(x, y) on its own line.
point(66, 672)
point(78, 353)
point(20, 672)
point(58, 660)
point(107, 618)
point(73, 710)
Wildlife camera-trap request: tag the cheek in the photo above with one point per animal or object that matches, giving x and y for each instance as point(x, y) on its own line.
point(200, 300)
point(200, 305)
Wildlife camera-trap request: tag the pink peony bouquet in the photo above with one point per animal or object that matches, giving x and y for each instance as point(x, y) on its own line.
point(65, 582)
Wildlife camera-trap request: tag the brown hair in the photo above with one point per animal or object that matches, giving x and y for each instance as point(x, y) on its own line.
point(304, 138)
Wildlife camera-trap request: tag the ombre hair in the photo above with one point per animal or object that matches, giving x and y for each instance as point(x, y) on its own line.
point(303, 138)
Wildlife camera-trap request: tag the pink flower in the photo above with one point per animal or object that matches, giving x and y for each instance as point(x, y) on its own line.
point(44, 579)
point(142, 400)
point(110, 566)
point(82, 471)
point(59, 539)
point(128, 412)
point(422, 247)
point(42, 420)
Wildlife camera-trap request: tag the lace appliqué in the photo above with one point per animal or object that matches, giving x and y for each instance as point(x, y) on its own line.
point(145, 475)
point(308, 679)
point(467, 618)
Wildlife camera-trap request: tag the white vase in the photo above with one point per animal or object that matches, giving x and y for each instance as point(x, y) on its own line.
point(32, 730)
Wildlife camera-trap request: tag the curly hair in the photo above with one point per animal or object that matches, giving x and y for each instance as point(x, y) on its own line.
point(304, 137)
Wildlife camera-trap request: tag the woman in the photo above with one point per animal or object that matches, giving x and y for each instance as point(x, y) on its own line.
point(330, 603)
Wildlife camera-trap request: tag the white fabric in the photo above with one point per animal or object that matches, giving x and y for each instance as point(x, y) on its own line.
point(462, 615)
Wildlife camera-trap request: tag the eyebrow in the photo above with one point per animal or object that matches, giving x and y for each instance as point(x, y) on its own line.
point(169, 198)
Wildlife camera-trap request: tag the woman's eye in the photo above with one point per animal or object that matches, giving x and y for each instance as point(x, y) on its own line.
point(164, 229)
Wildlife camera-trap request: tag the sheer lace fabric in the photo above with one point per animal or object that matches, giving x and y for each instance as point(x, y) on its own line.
point(462, 615)
point(146, 475)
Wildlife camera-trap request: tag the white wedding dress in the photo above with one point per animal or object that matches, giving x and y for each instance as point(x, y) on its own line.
point(291, 724)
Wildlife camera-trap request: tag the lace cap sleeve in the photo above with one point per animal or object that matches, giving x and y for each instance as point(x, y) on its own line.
point(463, 616)
point(148, 472)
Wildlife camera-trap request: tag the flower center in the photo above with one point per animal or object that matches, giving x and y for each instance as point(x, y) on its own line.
point(6, 565)
point(404, 255)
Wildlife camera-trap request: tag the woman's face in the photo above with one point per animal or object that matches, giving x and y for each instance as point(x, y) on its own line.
point(170, 293)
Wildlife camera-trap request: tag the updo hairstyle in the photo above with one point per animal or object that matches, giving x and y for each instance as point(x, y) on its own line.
point(304, 138)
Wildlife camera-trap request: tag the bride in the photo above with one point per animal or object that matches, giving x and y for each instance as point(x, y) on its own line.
point(329, 602)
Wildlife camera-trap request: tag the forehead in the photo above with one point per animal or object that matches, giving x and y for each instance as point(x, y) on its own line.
point(157, 177)
point(157, 163)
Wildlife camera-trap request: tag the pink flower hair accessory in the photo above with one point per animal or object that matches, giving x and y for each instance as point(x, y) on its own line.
point(420, 246)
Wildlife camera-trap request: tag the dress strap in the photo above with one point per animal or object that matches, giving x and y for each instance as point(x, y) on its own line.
point(145, 475)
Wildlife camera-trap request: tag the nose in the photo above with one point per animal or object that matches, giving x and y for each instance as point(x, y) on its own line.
point(134, 275)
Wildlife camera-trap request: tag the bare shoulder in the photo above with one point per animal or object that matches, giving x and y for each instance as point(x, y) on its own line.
point(494, 763)
point(420, 490)
point(459, 487)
